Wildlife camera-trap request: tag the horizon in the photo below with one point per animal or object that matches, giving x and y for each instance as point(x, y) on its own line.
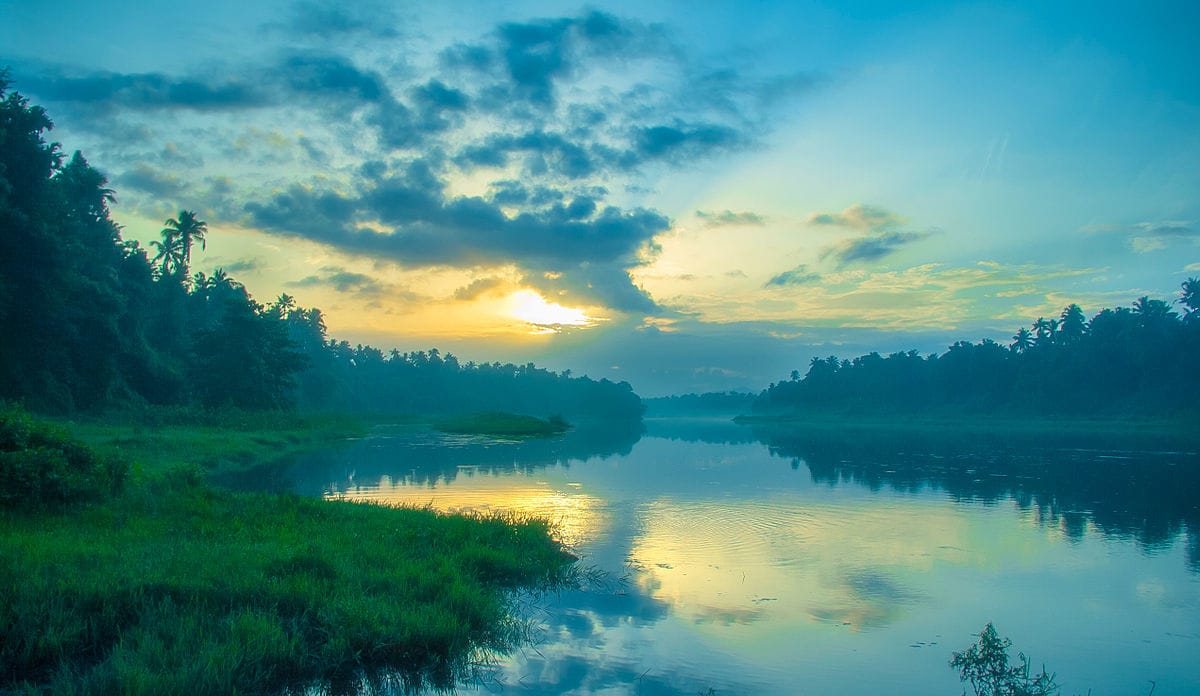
point(685, 199)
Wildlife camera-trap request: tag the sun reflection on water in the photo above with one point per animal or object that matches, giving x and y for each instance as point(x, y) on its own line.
point(578, 518)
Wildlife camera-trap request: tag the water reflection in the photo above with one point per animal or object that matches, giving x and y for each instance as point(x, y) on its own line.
point(752, 561)
point(1070, 482)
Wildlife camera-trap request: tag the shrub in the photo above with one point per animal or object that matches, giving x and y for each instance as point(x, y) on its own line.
point(42, 467)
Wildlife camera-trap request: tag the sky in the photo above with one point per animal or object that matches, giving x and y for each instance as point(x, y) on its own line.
point(689, 196)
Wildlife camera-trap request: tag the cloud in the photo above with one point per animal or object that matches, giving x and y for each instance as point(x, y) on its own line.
point(145, 178)
point(242, 266)
point(408, 220)
point(872, 248)
point(800, 275)
point(1152, 236)
point(478, 288)
point(728, 217)
point(1167, 228)
point(330, 20)
point(142, 91)
point(859, 217)
point(679, 141)
point(342, 281)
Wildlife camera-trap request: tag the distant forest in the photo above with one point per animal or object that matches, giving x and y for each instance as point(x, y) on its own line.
point(92, 322)
point(1141, 361)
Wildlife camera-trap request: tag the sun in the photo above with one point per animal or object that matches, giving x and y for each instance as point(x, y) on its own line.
point(532, 308)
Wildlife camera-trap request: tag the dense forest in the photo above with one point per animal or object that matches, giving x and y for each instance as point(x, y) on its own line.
point(1129, 361)
point(92, 321)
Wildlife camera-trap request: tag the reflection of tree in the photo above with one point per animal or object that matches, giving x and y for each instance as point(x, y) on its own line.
point(1146, 495)
point(423, 457)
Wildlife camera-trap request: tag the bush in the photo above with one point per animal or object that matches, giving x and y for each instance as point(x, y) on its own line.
point(41, 467)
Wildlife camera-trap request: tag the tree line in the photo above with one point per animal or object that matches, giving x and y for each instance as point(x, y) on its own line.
point(1142, 360)
point(92, 321)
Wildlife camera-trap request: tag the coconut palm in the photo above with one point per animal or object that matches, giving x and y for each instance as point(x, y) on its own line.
point(188, 229)
point(1074, 323)
point(1022, 340)
point(168, 255)
point(1189, 296)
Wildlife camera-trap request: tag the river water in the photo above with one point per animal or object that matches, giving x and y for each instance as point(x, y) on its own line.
point(746, 561)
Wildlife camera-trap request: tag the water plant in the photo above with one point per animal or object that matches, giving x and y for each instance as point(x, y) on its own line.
point(987, 668)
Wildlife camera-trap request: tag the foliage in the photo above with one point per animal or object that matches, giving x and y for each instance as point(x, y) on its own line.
point(1132, 361)
point(985, 665)
point(42, 467)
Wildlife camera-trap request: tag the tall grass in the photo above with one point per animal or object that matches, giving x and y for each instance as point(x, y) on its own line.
point(173, 586)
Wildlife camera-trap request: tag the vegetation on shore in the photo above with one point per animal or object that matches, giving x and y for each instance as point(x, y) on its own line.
point(1132, 363)
point(143, 578)
point(1166, 430)
point(504, 424)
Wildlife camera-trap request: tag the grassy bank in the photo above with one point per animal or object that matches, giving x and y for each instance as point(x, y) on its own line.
point(504, 424)
point(162, 583)
point(155, 441)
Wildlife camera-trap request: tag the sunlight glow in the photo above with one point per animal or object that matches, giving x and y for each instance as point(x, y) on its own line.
point(532, 308)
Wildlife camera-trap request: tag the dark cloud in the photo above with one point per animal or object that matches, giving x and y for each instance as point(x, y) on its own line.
point(873, 248)
point(593, 245)
point(157, 183)
point(680, 141)
point(605, 284)
point(728, 217)
point(342, 281)
point(142, 91)
point(327, 75)
point(242, 266)
point(329, 20)
point(800, 275)
point(304, 212)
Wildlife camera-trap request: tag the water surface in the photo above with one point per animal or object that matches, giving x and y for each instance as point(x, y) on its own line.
point(757, 562)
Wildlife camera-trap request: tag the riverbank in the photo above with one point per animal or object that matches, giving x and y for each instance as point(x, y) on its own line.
point(502, 424)
point(1159, 429)
point(166, 584)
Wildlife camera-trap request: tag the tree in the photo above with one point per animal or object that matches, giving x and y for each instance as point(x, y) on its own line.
point(168, 255)
point(1189, 296)
point(1073, 323)
point(188, 229)
point(1022, 340)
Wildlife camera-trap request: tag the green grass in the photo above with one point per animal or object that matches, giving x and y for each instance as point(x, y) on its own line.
point(221, 442)
point(173, 586)
point(500, 423)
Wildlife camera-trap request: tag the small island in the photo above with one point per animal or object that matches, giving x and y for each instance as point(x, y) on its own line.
point(503, 424)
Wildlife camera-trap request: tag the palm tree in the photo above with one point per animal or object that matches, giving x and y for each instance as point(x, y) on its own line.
point(1074, 323)
point(1022, 340)
point(169, 254)
point(1189, 297)
point(188, 229)
point(1041, 330)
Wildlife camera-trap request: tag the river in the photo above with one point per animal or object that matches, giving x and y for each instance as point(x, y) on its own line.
point(746, 561)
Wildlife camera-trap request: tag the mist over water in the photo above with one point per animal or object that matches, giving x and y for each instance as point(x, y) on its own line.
point(753, 561)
